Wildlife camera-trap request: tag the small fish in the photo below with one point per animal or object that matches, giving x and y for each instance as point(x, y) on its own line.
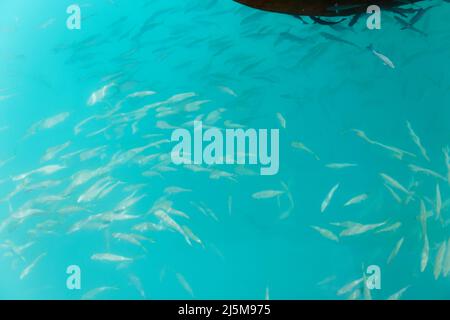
point(355, 294)
point(425, 253)
point(328, 198)
point(47, 123)
point(108, 257)
point(446, 152)
point(195, 106)
point(390, 228)
point(423, 218)
point(349, 287)
point(4, 162)
point(446, 264)
point(128, 202)
point(109, 189)
point(396, 250)
point(136, 282)
point(326, 281)
point(326, 233)
point(53, 151)
point(393, 194)
point(31, 266)
point(99, 95)
point(425, 171)
point(180, 97)
point(78, 127)
point(398, 153)
point(24, 213)
point(171, 223)
point(301, 146)
point(46, 170)
point(91, 294)
point(174, 190)
point(192, 236)
point(439, 260)
point(214, 116)
point(417, 141)
point(394, 183)
point(356, 199)
point(92, 153)
point(290, 197)
point(340, 165)
point(267, 194)
point(148, 226)
point(186, 286)
point(354, 228)
point(410, 24)
point(141, 94)
point(324, 22)
point(95, 190)
point(281, 120)
point(332, 37)
point(47, 23)
point(438, 202)
point(232, 125)
point(130, 238)
point(382, 57)
point(398, 294)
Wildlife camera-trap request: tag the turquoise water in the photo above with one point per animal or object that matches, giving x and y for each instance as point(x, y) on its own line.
point(245, 66)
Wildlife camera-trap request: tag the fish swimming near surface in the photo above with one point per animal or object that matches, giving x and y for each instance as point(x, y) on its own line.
point(94, 292)
point(398, 294)
point(108, 257)
point(349, 286)
point(328, 198)
point(266, 194)
point(326, 233)
point(31, 266)
point(183, 282)
point(340, 165)
point(396, 250)
point(356, 199)
point(425, 254)
point(388, 62)
point(439, 260)
point(299, 145)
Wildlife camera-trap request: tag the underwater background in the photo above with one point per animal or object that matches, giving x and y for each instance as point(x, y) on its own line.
point(86, 178)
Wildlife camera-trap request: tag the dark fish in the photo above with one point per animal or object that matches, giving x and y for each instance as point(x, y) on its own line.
point(354, 19)
point(407, 25)
point(289, 37)
point(332, 37)
point(325, 22)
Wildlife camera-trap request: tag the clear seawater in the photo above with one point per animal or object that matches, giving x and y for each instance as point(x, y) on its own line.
point(269, 63)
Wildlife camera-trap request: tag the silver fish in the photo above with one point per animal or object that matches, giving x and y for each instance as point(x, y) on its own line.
point(326, 201)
